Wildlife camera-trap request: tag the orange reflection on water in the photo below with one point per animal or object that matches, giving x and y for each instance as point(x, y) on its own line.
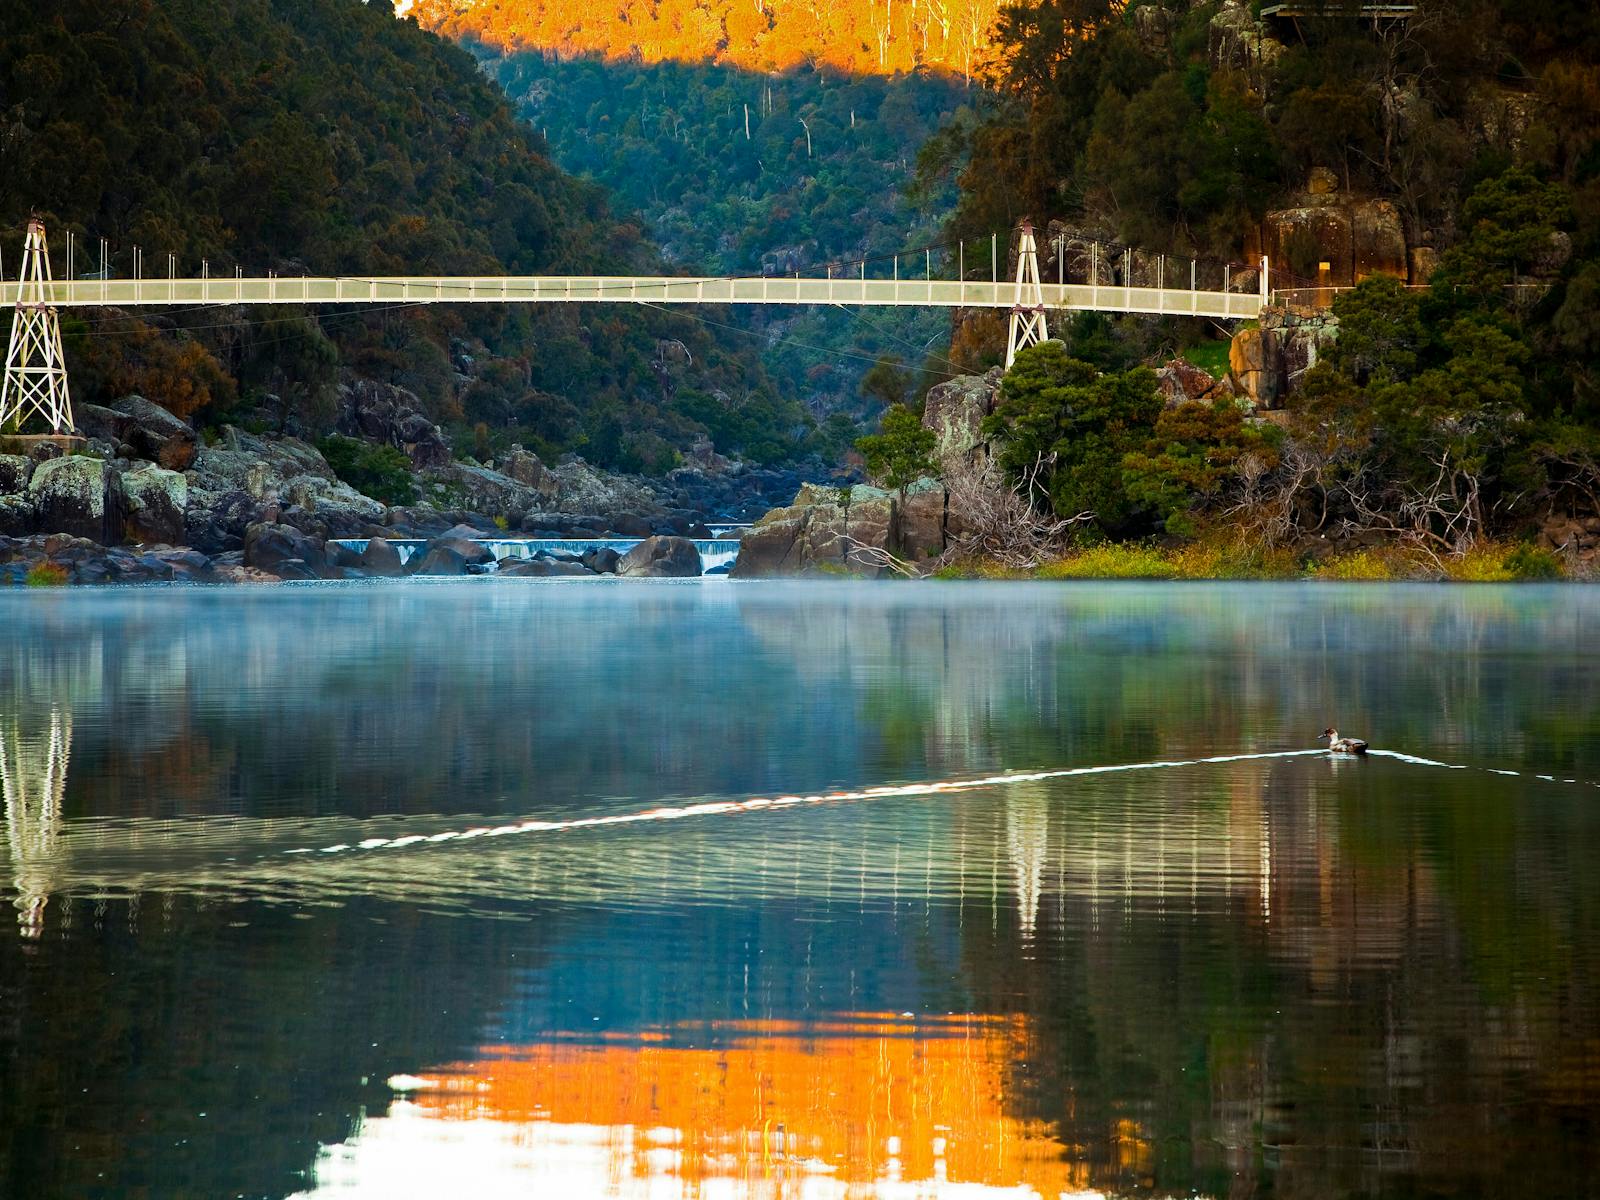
point(865, 1099)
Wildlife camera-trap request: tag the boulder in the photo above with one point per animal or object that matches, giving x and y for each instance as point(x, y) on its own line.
point(14, 472)
point(955, 410)
point(17, 516)
point(628, 525)
point(283, 551)
point(602, 560)
point(341, 557)
point(69, 496)
point(150, 505)
point(381, 558)
point(156, 434)
point(542, 568)
point(1181, 382)
point(661, 558)
point(391, 416)
point(100, 424)
point(581, 488)
point(525, 468)
point(453, 556)
point(185, 565)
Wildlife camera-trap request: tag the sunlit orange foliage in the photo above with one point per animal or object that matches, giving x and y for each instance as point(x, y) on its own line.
point(861, 36)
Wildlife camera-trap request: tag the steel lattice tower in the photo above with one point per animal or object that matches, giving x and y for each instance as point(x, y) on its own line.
point(1028, 327)
point(36, 373)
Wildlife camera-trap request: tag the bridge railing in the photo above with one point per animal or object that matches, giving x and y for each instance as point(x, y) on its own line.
point(781, 290)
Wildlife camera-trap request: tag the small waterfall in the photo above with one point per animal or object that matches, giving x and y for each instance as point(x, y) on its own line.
point(716, 554)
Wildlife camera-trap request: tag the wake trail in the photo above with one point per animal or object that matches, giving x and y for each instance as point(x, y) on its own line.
point(726, 807)
point(712, 808)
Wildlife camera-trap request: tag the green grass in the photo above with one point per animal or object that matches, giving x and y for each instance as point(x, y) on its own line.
point(1210, 357)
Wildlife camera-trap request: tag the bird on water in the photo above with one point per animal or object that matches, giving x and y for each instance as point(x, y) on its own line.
point(1343, 745)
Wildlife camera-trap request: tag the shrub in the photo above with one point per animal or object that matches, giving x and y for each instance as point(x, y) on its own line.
point(382, 472)
point(1361, 564)
point(1111, 560)
point(46, 574)
point(1527, 561)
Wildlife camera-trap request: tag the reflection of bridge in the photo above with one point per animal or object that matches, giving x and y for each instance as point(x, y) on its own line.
point(35, 374)
point(33, 772)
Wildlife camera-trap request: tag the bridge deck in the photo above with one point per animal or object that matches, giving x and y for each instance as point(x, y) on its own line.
point(918, 293)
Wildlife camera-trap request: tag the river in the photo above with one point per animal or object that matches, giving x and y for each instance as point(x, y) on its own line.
point(799, 889)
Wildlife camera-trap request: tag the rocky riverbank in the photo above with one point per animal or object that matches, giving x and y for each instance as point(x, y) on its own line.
point(146, 498)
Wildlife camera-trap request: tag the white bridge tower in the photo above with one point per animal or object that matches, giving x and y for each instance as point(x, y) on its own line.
point(1028, 326)
point(36, 373)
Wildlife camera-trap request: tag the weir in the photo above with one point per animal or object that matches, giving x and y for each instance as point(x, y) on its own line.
point(716, 554)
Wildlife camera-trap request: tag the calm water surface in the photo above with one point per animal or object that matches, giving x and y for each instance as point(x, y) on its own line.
point(308, 892)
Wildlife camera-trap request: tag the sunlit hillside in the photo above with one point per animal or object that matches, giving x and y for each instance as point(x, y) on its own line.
point(862, 36)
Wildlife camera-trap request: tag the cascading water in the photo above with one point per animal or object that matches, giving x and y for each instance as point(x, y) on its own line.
point(717, 555)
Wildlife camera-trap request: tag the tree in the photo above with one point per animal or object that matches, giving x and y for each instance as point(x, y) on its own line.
point(902, 453)
point(1381, 332)
point(1065, 429)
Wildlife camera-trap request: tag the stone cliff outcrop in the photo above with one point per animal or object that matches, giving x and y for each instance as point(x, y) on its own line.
point(1267, 361)
point(845, 530)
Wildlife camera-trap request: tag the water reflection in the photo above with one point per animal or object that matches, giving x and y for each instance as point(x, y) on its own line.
point(865, 1104)
point(33, 773)
point(1205, 973)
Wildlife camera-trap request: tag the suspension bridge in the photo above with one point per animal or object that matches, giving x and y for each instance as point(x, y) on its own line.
point(35, 379)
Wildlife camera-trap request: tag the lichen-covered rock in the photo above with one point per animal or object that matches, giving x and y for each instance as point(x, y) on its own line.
point(1252, 368)
point(15, 470)
point(919, 529)
point(481, 490)
point(583, 489)
point(954, 411)
point(218, 525)
point(1268, 362)
point(151, 503)
point(525, 467)
point(661, 558)
point(69, 496)
point(17, 517)
point(283, 472)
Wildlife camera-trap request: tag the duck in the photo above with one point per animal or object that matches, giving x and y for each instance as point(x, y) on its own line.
point(1343, 745)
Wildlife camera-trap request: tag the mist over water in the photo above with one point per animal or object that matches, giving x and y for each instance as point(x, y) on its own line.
point(762, 888)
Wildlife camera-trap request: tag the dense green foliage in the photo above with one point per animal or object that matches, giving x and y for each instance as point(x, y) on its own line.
point(1147, 118)
point(821, 181)
point(382, 472)
point(325, 136)
point(1101, 445)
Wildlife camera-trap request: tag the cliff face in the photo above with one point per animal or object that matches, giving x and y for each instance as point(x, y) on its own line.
point(1354, 235)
